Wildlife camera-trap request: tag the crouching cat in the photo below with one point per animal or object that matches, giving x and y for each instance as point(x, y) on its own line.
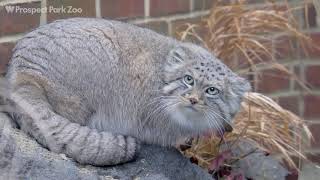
point(93, 89)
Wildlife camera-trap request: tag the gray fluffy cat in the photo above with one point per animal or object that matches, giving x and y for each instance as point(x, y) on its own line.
point(93, 88)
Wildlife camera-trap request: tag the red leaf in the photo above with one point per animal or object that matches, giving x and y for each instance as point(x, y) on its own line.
point(219, 160)
point(235, 176)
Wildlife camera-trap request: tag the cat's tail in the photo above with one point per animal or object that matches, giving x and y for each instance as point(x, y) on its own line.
point(5, 104)
point(58, 134)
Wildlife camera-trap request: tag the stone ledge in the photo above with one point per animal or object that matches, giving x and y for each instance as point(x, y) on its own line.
point(21, 157)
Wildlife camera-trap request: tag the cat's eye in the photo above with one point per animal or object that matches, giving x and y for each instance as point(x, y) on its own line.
point(212, 91)
point(188, 80)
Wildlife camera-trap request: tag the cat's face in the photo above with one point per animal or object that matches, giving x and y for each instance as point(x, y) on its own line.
point(200, 91)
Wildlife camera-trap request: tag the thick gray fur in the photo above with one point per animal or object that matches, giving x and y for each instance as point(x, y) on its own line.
point(92, 89)
point(21, 158)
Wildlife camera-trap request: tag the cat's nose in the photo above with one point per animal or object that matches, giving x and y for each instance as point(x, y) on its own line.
point(193, 100)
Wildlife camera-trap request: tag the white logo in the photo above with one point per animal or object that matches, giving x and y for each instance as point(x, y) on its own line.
point(50, 9)
point(10, 9)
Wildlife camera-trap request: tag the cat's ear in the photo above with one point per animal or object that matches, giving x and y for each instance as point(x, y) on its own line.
point(235, 89)
point(176, 56)
point(175, 61)
point(237, 86)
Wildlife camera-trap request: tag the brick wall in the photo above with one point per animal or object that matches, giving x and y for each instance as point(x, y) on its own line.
point(306, 66)
point(165, 16)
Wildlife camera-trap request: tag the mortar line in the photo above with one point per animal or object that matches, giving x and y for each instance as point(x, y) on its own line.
point(292, 93)
point(170, 17)
point(313, 121)
point(43, 15)
point(146, 8)
point(191, 5)
point(11, 38)
point(315, 150)
point(14, 2)
point(169, 28)
point(291, 80)
point(98, 8)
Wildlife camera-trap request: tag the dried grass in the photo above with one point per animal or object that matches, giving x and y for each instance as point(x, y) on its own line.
point(261, 120)
point(238, 30)
point(235, 30)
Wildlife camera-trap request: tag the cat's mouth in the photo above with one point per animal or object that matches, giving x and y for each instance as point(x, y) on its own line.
point(193, 107)
point(190, 109)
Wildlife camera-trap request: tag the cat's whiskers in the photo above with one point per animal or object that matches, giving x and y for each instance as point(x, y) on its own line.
point(158, 99)
point(158, 109)
point(221, 127)
point(213, 119)
point(210, 109)
point(221, 134)
point(166, 110)
point(211, 125)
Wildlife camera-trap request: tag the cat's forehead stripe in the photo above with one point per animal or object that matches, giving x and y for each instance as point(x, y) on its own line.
point(211, 70)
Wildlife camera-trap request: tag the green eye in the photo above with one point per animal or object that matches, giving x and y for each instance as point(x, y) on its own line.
point(188, 80)
point(212, 91)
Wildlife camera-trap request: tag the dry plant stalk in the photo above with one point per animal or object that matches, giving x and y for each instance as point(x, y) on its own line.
point(235, 30)
point(262, 121)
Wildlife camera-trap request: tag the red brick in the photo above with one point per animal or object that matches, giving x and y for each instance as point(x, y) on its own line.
point(202, 4)
point(16, 22)
point(285, 47)
point(311, 16)
point(272, 81)
point(86, 9)
point(293, 175)
point(297, 71)
point(314, 157)
point(264, 57)
point(233, 63)
point(290, 103)
point(298, 85)
point(315, 130)
point(243, 62)
point(313, 51)
point(181, 25)
point(311, 107)
point(255, 1)
point(165, 7)
point(158, 26)
point(5, 55)
point(122, 8)
point(275, 99)
point(313, 76)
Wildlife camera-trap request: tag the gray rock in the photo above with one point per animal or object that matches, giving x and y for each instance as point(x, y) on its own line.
point(23, 158)
point(257, 165)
